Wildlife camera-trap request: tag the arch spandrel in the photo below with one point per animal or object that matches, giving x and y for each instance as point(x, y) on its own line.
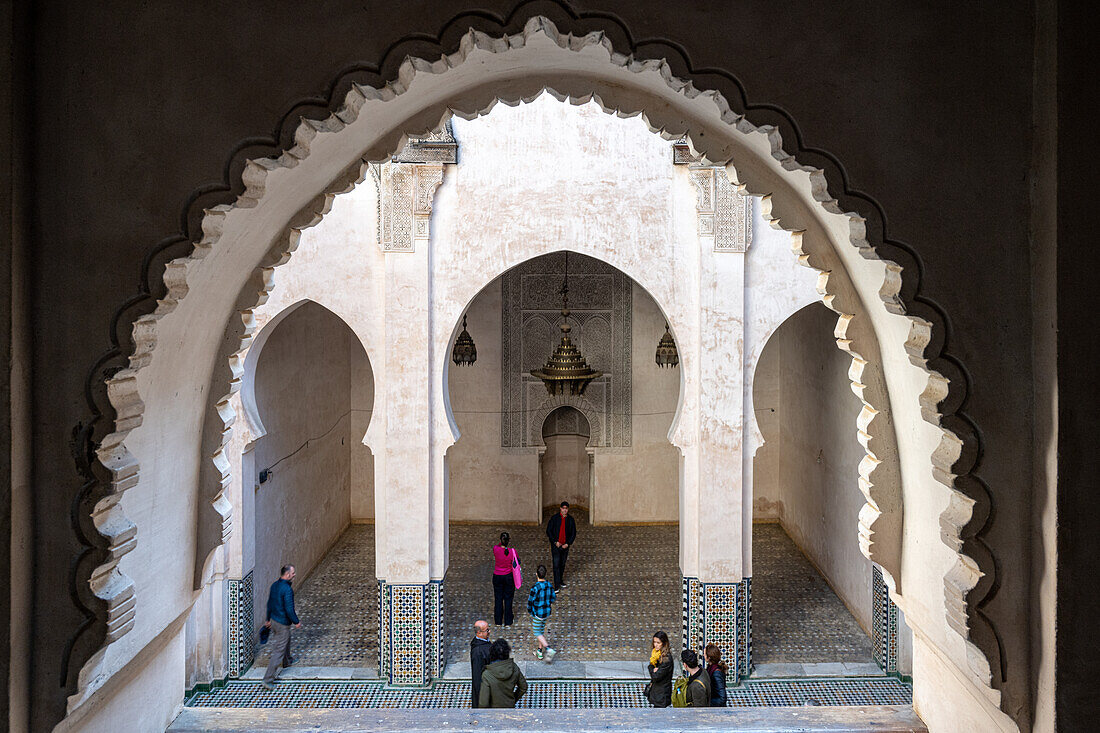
point(242, 242)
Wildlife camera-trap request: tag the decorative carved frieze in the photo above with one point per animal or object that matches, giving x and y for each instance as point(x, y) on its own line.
point(724, 215)
point(601, 305)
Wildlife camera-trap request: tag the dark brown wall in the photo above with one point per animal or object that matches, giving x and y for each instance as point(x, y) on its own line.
point(1078, 643)
point(135, 105)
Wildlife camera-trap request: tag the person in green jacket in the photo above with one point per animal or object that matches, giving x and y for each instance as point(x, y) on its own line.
point(502, 684)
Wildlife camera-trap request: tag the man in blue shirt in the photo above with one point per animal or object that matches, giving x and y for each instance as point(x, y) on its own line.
point(280, 619)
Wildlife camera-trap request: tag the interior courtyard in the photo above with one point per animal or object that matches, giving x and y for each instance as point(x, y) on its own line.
point(541, 257)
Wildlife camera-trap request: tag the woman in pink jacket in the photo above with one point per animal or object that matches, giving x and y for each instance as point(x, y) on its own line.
point(504, 588)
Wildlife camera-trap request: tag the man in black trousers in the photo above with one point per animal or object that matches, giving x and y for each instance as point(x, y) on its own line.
point(562, 530)
point(479, 655)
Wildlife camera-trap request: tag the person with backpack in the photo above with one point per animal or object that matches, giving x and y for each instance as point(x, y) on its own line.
point(539, 602)
point(692, 690)
point(717, 669)
point(504, 589)
point(659, 689)
point(502, 684)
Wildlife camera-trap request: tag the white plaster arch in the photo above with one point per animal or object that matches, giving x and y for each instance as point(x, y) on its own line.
point(249, 407)
point(243, 243)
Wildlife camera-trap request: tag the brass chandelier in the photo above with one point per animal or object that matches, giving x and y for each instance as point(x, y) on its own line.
point(464, 352)
point(667, 356)
point(566, 371)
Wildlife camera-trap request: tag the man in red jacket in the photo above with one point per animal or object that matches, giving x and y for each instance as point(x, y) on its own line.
point(561, 530)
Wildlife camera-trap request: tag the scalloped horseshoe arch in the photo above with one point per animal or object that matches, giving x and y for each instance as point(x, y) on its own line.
point(895, 339)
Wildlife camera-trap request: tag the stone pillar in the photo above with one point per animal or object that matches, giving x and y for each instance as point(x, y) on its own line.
point(716, 592)
point(409, 600)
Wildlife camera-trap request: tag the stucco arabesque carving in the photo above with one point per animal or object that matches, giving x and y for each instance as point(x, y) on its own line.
point(577, 402)
point(723, 214)
point(965, 587)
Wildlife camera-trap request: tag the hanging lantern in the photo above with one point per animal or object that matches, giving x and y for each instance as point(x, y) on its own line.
point(667, 356)
point(464, 352)
point(566, 371)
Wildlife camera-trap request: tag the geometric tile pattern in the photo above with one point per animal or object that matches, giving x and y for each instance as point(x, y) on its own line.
point(884, 624)
point(433, 620)
point(621, 586)
point(744, 625)
point(241, 642)
point(797, 618)
point(407, 627)
point(610, 694)
point(717, 613)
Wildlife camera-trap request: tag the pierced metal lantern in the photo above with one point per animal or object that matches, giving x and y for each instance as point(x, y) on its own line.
point(566, 371)
point(464, 352)
point(667, 356)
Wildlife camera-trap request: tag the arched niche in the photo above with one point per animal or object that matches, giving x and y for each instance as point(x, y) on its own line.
point(890, 349)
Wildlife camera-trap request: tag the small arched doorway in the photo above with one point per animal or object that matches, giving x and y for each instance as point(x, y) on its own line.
point(308, 489)
point(566, 464)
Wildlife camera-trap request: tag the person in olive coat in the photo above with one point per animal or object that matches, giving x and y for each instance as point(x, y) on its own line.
point(502, 684)
point(659, 689)
point(698, 694)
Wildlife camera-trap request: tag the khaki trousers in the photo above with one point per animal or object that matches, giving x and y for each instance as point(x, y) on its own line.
point(279, 644)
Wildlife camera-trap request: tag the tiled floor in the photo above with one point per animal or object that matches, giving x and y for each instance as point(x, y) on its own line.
point(796, 616)
point(868, 691)
point(623, 583)
point(338, 607)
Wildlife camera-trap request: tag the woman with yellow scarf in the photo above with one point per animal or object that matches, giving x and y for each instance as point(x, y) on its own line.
point(659, 689)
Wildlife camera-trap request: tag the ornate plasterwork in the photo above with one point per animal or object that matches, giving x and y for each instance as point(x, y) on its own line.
point(724, 216)
point(118, 408)
point(601, 306)
point(405, 198)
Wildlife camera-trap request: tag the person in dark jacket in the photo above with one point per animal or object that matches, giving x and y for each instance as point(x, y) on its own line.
point(717, 669)
point(659, 689)
point(479, 657)
point(502, 684)
point(280, 618)
point(561, 530)
point(698, 687)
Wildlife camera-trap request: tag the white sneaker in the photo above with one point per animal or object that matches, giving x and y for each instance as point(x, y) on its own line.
point(550, 655)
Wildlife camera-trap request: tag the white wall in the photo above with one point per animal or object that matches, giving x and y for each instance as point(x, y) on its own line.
point(303, 392)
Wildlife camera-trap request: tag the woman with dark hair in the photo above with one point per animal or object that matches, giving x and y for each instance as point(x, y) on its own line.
point(717, 669)
point(502, 684)
point(504, 588)
point(659, 689)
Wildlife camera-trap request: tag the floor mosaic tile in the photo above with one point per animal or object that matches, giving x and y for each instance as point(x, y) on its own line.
point(622, 584)
point(796, 616)
point(608, 694)
point(338, 607)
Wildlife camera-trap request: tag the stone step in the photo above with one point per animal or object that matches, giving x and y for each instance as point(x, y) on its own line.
point(877, 719)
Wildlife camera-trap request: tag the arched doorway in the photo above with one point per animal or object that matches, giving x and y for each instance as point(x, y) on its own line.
point(765, 166)
point(520, 452)
point(565, 466)
point(817, 602)
point(305, 483)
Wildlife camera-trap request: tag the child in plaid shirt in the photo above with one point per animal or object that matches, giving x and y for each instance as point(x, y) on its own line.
point(539, 600)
